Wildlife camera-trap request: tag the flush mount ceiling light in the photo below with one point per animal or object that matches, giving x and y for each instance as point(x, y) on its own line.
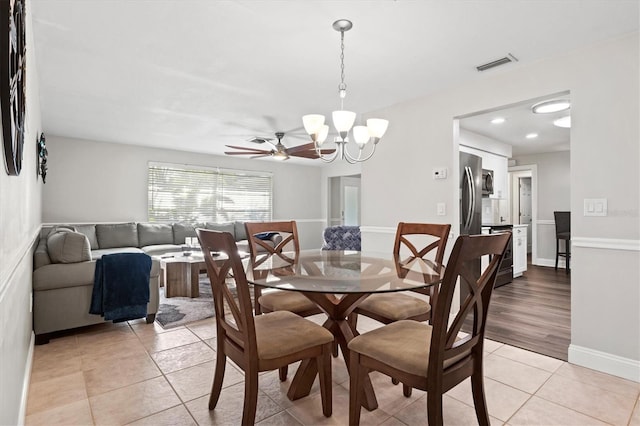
point(498, 120)
point(564, 122)
point(343, 120)
point(531, 135)
point(555, 105)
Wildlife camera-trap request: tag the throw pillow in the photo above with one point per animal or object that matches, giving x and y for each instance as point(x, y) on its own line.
point(68, 247)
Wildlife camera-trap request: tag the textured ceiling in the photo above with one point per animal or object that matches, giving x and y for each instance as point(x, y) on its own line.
point(196, 75)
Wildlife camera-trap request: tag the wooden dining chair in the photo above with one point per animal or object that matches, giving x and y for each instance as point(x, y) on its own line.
point(390, 307)
point(434, 358)
point(280, 239)
point(261, 343)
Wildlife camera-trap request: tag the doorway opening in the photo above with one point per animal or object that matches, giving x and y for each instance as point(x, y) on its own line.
point(529, 157)
point(344, 200)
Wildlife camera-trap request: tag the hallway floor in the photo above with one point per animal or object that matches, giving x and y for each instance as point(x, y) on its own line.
point(137, 373)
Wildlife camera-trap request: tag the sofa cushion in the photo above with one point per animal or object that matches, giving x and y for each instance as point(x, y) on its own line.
point(68, 247)
point(117, 235)
point(154, 233)
point(222, 227)
point(182, 231)
point(241, 232)
point(90, 232)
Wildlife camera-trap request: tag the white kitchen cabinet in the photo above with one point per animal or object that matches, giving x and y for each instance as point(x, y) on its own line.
point(519, 250)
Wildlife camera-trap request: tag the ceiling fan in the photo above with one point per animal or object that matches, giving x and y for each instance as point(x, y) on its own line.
point(279, 151)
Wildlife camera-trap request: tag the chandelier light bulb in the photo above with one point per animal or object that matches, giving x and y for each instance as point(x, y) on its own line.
point(377, 127)
point(361, 135)
point(312, 123)
point(343, 121)
point(322, 134)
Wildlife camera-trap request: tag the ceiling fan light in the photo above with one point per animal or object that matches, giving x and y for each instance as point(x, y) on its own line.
point(361, 135)
point(377, 127)
point(322, 134)
point(343, 121)
point(312, 123)
point(564, 122)
point(280, 156)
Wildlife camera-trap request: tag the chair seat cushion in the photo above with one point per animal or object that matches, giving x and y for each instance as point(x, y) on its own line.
point(403, 345)
point(394, 306)
point(282, 333)
point(285, 301)
point(563, 235)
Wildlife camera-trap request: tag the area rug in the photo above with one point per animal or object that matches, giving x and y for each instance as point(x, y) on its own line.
point(177, 311)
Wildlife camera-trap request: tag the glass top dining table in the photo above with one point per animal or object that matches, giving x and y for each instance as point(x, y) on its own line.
point(337, 281)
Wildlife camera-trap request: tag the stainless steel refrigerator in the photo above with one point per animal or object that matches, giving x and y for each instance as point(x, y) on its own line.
point(470, 194)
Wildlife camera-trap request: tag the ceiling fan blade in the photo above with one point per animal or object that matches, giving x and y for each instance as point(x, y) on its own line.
point(306, 147)
point(305, 154)
point(260, 156)
point(240, 153)
point(245, 148)
point(327, 151)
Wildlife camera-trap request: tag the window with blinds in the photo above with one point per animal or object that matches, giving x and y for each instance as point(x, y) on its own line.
point(184, 193)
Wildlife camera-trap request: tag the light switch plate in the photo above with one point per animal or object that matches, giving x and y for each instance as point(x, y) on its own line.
point(441, 209)
point(595, 206)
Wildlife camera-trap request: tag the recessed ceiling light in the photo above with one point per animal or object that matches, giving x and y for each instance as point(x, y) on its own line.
point(555, 105)
point(564, 122)
point(531, 135)
point(498, 120)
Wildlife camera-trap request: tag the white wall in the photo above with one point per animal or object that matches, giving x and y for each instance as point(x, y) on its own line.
point(107, 182)
point(20, 210)
point(554, 191)
point(397, 183)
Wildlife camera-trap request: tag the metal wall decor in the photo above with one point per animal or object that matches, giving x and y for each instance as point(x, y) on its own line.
point(42, 157)
point(12, 82)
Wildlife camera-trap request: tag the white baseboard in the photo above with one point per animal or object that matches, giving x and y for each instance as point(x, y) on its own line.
point(25, 382)
point(551, 263)
point(607, 363)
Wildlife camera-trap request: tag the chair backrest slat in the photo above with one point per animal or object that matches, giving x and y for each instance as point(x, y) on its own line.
point(226, 272)
point(287, 230)
point(447, 348)
point(409, 234)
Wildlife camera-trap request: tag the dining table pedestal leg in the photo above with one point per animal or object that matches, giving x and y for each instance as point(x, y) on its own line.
point(337, 310)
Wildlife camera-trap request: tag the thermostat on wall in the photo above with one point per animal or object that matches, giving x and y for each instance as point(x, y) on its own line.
point(440, 173)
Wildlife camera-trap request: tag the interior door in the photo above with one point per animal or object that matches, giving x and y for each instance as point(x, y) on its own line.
point(525, 206)
point(350, 200)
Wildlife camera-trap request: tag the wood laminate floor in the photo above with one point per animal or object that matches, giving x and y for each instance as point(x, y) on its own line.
point(533, 312)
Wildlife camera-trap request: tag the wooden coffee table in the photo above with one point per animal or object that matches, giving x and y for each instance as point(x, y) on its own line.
point(182, 275)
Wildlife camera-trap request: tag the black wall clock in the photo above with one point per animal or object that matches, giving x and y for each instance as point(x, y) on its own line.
point(12, 82)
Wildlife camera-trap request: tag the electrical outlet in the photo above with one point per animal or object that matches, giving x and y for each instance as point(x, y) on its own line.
point(441, 209)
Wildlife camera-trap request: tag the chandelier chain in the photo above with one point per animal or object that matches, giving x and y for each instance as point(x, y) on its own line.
point(342, 87)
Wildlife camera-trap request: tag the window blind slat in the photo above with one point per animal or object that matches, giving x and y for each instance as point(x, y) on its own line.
point(196, 194)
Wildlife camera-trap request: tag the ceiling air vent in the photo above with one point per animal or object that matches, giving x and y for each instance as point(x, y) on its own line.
point(497, 62)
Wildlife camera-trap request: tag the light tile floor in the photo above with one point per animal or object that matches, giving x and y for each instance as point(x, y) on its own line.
point(137, 373)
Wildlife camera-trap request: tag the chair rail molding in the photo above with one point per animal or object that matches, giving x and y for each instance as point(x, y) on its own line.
point(379, 229)
point(606, 243)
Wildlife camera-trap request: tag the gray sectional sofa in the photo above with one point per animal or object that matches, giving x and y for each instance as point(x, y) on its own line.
point(64, 267)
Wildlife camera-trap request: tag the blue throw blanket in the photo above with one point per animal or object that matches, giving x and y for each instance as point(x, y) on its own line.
point(121, 286)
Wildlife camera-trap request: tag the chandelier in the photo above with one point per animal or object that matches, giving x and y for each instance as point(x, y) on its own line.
point(314, 124)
